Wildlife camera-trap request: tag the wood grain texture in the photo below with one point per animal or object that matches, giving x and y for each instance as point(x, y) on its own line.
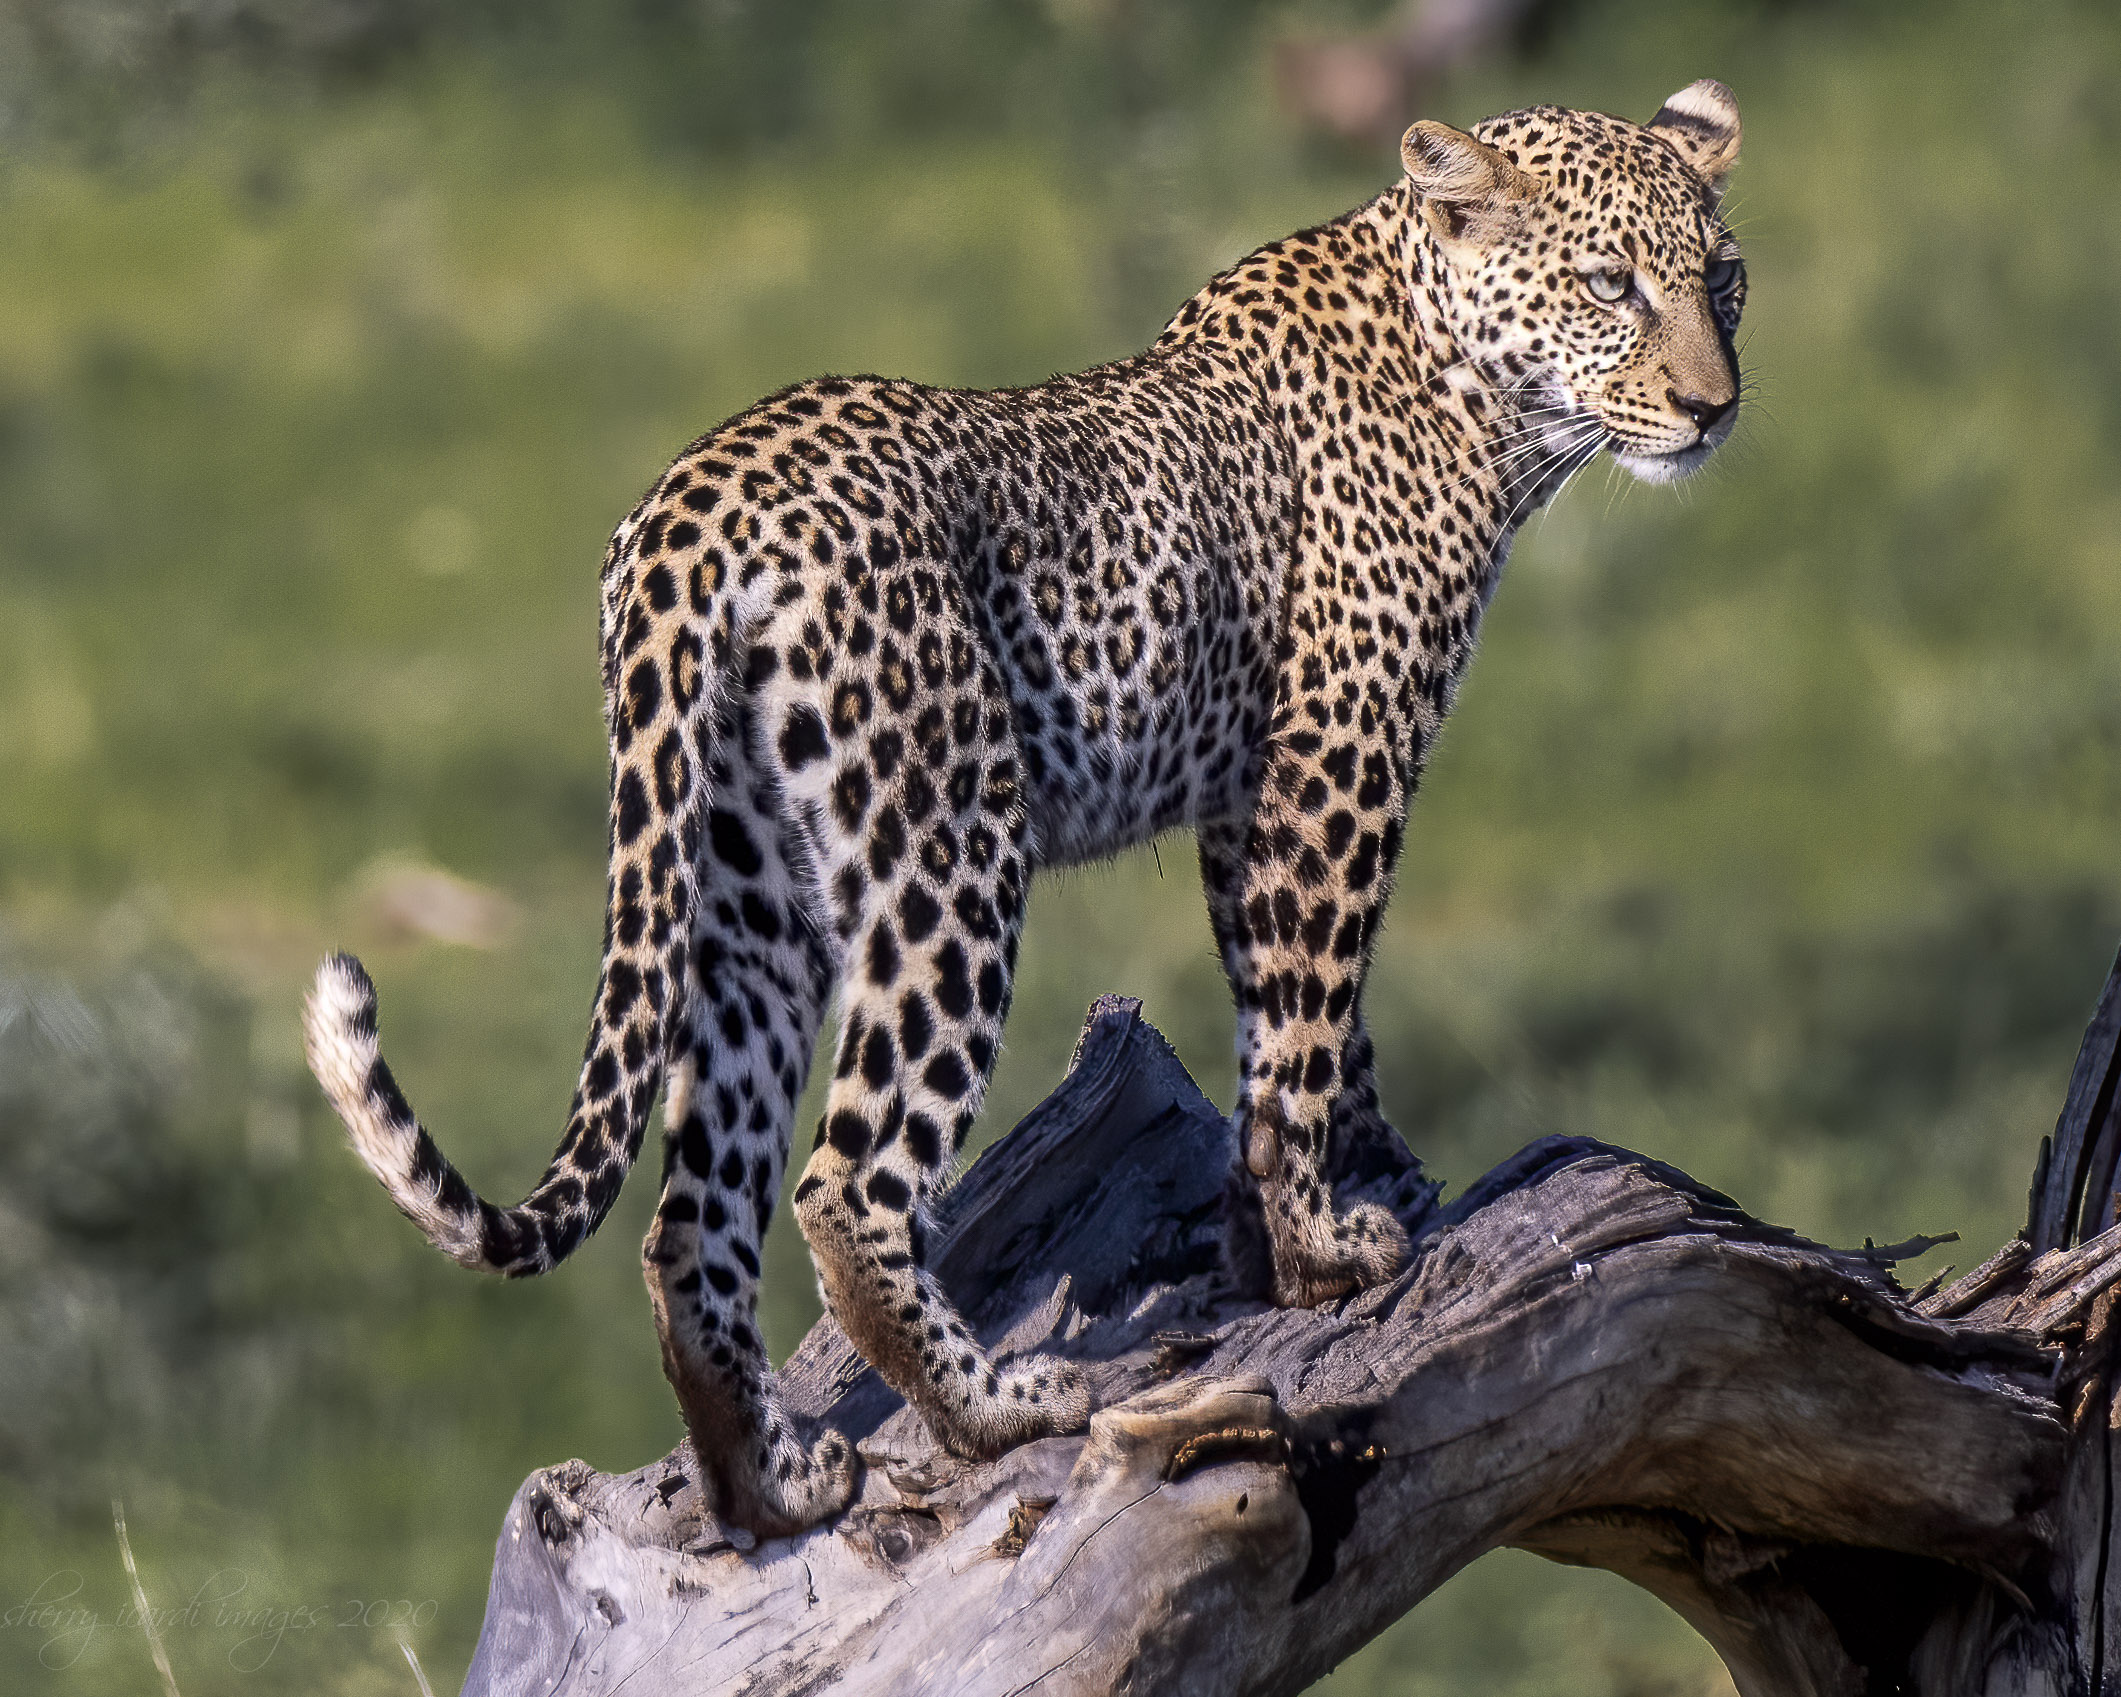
point(1847, 1488)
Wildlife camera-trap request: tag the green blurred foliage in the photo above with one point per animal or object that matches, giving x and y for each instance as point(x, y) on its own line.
point(1773, 834)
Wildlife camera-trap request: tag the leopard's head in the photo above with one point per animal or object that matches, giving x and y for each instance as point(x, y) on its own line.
point(1586, 261)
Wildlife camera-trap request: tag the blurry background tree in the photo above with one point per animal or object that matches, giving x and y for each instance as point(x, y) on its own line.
point(1775, 834)
point(1362, 87)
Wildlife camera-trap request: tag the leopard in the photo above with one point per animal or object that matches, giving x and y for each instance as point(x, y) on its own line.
point(875, 652)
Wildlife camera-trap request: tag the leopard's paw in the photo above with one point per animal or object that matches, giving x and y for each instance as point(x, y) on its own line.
point(783, 1486)
point(1363, 1247)
point(1031, 1398)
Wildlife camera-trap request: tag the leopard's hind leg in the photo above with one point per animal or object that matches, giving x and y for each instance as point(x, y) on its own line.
point(759, 974)
point(922, 846)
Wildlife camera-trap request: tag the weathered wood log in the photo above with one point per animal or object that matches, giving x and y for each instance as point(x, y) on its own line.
point(1844, 1486)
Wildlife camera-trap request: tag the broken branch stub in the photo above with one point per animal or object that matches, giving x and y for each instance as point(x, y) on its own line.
point(1592, 1356)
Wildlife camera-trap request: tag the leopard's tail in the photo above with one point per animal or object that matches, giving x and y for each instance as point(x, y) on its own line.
point(641, 998)
point(339, 1022)
point(674, 685)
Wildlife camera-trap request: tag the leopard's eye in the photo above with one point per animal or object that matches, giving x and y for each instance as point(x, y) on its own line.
point(1610, 285)
point(1721, 273)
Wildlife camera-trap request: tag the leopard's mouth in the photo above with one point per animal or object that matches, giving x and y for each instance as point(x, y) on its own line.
point(1664, 465)
point(1661, 464)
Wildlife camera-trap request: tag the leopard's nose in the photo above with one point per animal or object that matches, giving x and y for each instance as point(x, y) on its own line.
point(1705, 413)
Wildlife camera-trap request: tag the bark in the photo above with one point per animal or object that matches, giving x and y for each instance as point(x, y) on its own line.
point(1846, 1487)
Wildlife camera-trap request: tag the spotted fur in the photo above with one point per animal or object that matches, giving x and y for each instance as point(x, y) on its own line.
point(874, 652)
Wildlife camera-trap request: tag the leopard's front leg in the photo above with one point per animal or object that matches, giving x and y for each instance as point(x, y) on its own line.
point(1295, 894)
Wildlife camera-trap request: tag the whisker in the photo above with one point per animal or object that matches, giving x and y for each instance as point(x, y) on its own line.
point(1583, 450)
point(1511, 467)
point(1575, 472)
point(1500, 451)
point(1616, 487)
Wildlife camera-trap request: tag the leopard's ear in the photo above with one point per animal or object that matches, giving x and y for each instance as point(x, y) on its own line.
point(1467, 188)
point(1701, 121)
